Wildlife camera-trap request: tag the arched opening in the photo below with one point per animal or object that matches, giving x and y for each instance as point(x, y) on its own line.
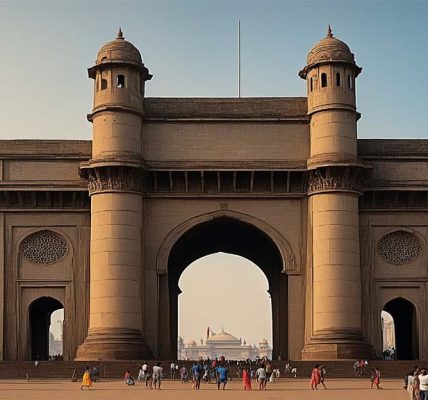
point(103, 84)
point(120, 81)
point(56, 348)
point(403, 314)
point(337, 79)
point(350, 82)
point(323, 80)
point(232, 236)
point(224, 291)
point(40, 312)
point(388, 336)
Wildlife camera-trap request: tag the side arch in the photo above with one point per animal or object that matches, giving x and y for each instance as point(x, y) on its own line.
point(405, 315)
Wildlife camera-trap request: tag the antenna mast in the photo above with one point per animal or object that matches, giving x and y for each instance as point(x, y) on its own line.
point(239, 58)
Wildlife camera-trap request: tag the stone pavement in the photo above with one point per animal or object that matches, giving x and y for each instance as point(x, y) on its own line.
point(117, 390)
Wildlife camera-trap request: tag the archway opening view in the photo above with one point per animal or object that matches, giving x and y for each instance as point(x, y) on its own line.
point(224, 309)
point(232, 236)
point(388, 336)
point(399, 329)
point(46, 326)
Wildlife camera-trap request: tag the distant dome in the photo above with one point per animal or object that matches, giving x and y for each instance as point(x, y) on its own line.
point(263, 341)
point(223, 337)
point(180, 340)
point(119, 50)
point(329, 49)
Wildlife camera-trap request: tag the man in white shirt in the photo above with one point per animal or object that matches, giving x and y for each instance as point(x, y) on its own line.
point(423, 384)
point(261, 378)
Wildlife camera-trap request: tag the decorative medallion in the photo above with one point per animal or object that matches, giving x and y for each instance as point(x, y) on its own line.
point(399, 247)
point(44, 247)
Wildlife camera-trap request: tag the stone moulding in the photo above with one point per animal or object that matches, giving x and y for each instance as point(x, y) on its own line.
point(113, 179)
point(344, 179)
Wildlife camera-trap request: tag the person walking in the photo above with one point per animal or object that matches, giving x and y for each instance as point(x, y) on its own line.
point(315, 377)
point(261, 378)
point(196, 376)
point(140, 376)
point(86, 379)
point(376, 379)
point(323, 372)
point(157, 376)
point(246, 379)
point(222, 375)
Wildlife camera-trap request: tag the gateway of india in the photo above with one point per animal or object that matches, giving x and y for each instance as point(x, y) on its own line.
point(105, 228)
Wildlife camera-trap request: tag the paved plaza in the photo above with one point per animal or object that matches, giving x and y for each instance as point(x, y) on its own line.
point(117, 390)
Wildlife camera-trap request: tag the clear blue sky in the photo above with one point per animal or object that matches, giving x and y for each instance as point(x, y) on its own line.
point(191, 49)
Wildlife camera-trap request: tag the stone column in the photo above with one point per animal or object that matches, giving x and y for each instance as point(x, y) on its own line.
point(116, 259)
point(336, 280)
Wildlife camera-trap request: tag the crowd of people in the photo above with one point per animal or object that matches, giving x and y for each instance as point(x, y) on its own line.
point(261, 371)
point(416, 384)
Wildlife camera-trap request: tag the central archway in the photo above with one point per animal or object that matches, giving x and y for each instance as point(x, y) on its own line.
point(40, 312)
point(234, 236)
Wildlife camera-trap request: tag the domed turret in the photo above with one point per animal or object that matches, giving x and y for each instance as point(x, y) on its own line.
point(328, 50)
point(330, 74)
point(119, 50)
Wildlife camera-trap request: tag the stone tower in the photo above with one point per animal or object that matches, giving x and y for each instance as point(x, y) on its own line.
point(334, 327)
point(115, 186)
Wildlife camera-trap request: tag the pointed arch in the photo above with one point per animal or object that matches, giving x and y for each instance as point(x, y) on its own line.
point(289, 264)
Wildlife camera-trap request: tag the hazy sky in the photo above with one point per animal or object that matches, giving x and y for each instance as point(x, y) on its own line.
point(224, 291)
point(191, 49)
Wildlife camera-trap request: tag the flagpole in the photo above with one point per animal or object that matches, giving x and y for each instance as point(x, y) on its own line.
point(239, 58)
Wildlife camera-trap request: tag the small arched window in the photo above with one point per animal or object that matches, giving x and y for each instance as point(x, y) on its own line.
point(337, 79)
point(312, 84)
point(323, 80)
point(350, 83)
point(120, 81)
point(103, 84)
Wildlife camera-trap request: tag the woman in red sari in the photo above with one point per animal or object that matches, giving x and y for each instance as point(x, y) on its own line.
point(246, 379)
point(315, 377)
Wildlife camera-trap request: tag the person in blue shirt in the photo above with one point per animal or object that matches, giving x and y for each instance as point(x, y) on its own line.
point(222, 374)
point(196, 375)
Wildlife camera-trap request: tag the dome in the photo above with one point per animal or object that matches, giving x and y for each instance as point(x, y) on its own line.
point(119, 50)
point(329, 49)
point(223, 337)
point(263, 341)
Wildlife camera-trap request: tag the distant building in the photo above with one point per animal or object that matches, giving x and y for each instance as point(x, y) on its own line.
point(55, 345)
point(222, 344)
point(388, 330)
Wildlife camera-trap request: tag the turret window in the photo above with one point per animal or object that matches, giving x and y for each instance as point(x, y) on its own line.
point(103, 84)
point(350, 82)
point(337, 79)
point(323, 80)
point(312, 84)
point(120, 81)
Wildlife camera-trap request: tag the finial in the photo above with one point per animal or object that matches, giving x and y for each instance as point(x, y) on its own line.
point(329, 32)
point(120, 34)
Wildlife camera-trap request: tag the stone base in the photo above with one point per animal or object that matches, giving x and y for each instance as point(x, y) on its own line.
point(337, 351)
point(112, 345)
